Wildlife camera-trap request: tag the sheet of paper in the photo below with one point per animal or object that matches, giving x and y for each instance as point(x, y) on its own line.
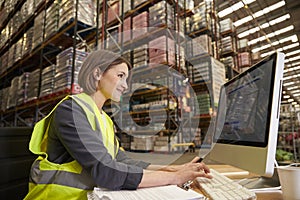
point(170, 192)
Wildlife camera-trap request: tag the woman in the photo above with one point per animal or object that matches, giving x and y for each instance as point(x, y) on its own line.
point(77, 147)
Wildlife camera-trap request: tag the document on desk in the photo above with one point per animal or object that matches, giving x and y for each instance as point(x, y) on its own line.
point(169, 192)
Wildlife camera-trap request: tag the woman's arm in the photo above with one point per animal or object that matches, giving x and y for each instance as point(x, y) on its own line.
point(170, 168)
point(189, 171)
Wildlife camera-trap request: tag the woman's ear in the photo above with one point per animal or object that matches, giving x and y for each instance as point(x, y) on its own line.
point(97, 74)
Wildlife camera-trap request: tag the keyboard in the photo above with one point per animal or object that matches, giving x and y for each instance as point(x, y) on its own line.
point(221, 187)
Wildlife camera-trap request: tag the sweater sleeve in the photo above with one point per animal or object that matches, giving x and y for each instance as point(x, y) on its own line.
point(122, 157)
point(86, 146)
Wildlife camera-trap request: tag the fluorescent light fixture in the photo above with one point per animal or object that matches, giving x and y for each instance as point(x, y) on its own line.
point(265, 25)
point(290, 100)
point(289, 46)
point(234, 7)
point(270, 35)
point(259, 13)
point(292, 59)
point(294, 91)
point(294, 103)
point(292, 53)
point(292, 38)
point(295, 95)
point(292, 88)
point(288, 83)
point(292, 76)
point(266, 54)
point(292, 69)
point(286, 96)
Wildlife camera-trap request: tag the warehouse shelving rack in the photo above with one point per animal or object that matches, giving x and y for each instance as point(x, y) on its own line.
point(71, 34)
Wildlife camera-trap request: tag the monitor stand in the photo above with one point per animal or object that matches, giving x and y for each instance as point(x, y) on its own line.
point(261, 182)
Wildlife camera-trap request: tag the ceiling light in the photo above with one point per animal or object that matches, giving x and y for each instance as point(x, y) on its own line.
point(292, 88)
point(234, 7)
point(288, 83)
point(294, 103)
point(266, 54)
point(292, 53)
point(289, 46)
point(259, 13)
point(292, 69)
point(290, 38)
point(286, 96)
point(294, 91)
point(265, 25)
point(295, 95)
point(292, 76)
point(270, 35)
point(290, 100)
point(292, 59)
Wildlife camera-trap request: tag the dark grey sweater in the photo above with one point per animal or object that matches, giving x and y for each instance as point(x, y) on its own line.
point(71, 137)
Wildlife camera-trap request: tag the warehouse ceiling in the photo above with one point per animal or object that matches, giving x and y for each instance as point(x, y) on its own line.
point(274, 25)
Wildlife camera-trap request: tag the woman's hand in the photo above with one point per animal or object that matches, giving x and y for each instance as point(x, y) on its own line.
point(174, 168)
point(190, 171)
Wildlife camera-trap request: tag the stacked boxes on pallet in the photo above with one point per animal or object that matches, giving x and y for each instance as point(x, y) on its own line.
point(127, 7)
point(136, 3)
point(200, 20)
point(18, 50)
point(4, 62)
point(142, 143)
point(12, 99)
point(27, 9)
point(113, 11)
point(228, 45)
point(203, 103)
point(47, 85)
point(161, 15)
point(63, 72)
point(33, 85)
point(85, 14)
point(226, 26)
point(140, 56)
point(199, 45)
point(208, 69)
point(161, 144)
point(27, 41)
point(52, 19)
point(4, 98)
point(162, 51)
point(126, 30)
point(140, 24)
point(38, 34)
point(229, 61)
point(22, 88)
point(244, 60)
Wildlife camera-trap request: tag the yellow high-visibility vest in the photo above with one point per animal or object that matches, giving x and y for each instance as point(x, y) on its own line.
point(50, 180)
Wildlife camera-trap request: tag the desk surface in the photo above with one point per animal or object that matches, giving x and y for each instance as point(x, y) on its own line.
point(261, 195)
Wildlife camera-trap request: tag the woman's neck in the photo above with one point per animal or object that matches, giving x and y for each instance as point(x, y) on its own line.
point(99, 99)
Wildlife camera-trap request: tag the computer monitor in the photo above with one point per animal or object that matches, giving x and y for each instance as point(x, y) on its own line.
point(246, 125)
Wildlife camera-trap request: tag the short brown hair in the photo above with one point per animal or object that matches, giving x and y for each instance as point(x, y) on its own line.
point(102, 59)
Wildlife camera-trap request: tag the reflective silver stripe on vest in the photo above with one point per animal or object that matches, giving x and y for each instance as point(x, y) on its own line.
point(81, 181)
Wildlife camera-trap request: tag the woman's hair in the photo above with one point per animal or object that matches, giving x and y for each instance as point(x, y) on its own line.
point(102, 59)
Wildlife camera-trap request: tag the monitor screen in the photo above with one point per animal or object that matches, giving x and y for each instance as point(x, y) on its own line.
point(247, 121)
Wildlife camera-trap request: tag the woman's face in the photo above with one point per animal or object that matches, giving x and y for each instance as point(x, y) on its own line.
point(113, 82)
